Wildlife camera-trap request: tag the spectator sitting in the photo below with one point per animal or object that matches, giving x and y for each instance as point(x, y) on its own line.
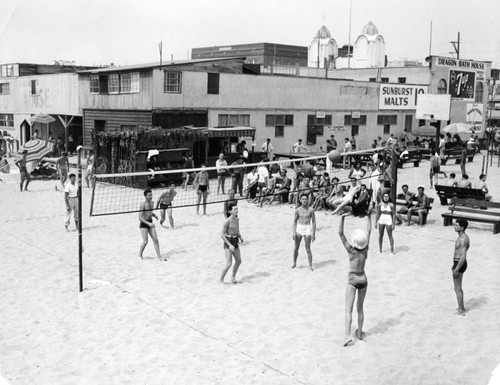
point(451, 181)
point(357, 172)
point(268, 191)
point(421, 206)
point(404, 154)
point(282, 191)
point(481, 184)
point(361, 202)
point(325, 188)
point(464, 182)
point(336, 192)
point(408, 197)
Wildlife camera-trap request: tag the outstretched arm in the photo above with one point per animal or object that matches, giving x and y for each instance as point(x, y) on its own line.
point(369, 224)
point(342, 235)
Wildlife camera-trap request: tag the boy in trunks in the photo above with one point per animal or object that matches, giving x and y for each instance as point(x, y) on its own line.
point(146, 224)
point(165, 203)
point(89, 175)
point(23, 171)
point(435, 169)
point(460, 261)
point(231, 237)
point(62, 166)
point(304, 225)
point(357, 251)
point(201, 184)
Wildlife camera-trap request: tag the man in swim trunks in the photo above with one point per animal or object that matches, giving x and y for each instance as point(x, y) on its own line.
point(146, 224)
point(460, 261)
point(304, 225)
point(23, 171)
point(202, 186)
point(62, 166)
point(357, 251)
point(231, 237)
point(89, 175)
point(165, 203)
point(348, 197)
point(435, 170)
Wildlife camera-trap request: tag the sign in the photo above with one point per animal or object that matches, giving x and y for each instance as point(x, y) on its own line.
point(355, 115)
point(474, 113)
point(320, 114)
point(462, 84)
point(336, 128)
point(433, 107)
point(399, 96)
point(459, 63)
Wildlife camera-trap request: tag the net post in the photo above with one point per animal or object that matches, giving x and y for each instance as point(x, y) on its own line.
point(80, 237)
point(394, 169)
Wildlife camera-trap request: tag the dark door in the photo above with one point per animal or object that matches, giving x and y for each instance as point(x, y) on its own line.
point(25, 132)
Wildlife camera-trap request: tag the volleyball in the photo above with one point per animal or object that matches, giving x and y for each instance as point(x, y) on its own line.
point(334, 156)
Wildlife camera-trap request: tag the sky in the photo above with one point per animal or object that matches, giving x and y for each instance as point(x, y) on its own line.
point(100, 32)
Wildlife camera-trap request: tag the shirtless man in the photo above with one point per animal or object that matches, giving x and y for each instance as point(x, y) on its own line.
point(201, 184)
point(357, 252)
point(89, 175)
point(146, 224)
point(231, 237)
point(435, 170)
point(23, 171)
point(304, 225)
point(481, 184)
point(464, 182)
point(460, 262)
point(165, 203)
point(62, 166)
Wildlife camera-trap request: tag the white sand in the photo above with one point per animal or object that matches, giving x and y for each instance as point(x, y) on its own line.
point(147, 322)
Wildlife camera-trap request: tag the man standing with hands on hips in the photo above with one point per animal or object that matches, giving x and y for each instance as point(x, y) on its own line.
point(71, 199)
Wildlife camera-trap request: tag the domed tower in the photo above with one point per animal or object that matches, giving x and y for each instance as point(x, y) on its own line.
point(323, 50)
point(369, 48)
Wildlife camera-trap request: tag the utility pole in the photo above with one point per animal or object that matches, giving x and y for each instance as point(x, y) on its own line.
point(456, 46)
point(430, 41)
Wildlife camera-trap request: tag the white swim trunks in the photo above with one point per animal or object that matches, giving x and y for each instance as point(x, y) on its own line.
point(304, 230)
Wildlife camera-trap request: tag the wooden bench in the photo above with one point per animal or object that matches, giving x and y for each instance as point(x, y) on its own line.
point(474, 211)
point(414, 156)
point(457, 155)
point(401, 202)
point(448, 192)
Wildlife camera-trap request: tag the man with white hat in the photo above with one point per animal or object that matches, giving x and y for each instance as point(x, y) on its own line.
point(357, 251)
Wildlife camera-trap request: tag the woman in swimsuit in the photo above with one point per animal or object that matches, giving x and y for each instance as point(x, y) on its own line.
point(201, 184)
point(386, 215)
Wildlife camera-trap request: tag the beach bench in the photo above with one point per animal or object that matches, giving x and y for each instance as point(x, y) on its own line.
point(474, 211)
point(457, 155)
point(401, 202)
point(414, 156)
point(448, 192)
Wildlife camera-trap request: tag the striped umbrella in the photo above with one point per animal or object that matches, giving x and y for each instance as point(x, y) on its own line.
point(41, 118)
point(37, 149)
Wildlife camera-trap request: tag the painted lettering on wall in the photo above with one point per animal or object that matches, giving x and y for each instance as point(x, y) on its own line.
point(399, 96)
point(452, 62)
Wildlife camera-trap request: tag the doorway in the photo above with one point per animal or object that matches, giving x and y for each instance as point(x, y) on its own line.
point(25, 132)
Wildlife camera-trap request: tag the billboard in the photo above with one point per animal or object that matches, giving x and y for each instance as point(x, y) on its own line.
point(462, 84)
point(474, 114)
point(399, 96)
point(433, 107)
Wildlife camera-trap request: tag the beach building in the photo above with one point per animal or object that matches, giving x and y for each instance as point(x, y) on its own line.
point(28, 89)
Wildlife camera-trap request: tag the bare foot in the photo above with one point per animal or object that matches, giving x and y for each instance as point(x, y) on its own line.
point(141, 257)
point(461, 312)
point(347, 341)
point(360, 336)
point(294, 266)
point(311, 268)
point(234, 281)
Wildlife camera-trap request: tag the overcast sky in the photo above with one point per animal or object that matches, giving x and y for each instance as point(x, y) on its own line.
point(94, 32)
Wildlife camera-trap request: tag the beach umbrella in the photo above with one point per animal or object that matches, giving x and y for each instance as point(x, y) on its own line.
point(462, 129)
point(37, 149)
point(41, 118)
point(425, 130)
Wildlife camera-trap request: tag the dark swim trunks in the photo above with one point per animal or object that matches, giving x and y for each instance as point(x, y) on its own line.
point(357, 279)
point(145, 226)
point(233, 240)
point(436, 170)
point(202, 188)
point(462, 269)
point(164, 206)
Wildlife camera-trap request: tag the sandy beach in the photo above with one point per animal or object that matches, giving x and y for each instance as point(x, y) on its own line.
point(152, 322)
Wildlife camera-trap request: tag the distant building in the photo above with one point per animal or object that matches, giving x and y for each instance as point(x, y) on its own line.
point(267, 54)
point(323, 50)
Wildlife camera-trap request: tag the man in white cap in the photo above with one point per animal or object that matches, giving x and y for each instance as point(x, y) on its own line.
point(357, 251)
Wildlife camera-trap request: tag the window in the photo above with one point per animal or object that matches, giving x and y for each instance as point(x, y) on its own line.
point(99, 126)
point(6, 70)
point(279, 121)
point(6, 120)
point(4, 88)
point(94, 84)
point(315, 127)
point(385, 80)
point(234, 120)
point(125, 83)
point(213, 83)
point(103, 84)
point(173, 82)
point(373, 80)
point(408, 122)
point(135, 82)
point(442, 87)
point(349, 120)
point(479, 92)
point(33, 87)
point(387, 129)
point(402, 80)
point(387, 119)
point(354, 130)
point(114, 84)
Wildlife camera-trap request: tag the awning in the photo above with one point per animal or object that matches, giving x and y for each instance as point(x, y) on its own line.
point(227, 132)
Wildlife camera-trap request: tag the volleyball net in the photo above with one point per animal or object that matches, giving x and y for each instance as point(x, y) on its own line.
point(124, 192)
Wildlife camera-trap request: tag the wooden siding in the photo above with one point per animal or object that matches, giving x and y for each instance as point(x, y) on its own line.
point(114, 120)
